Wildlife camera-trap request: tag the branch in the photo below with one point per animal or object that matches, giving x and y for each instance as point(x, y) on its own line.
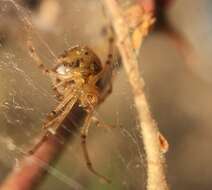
point(156, 179)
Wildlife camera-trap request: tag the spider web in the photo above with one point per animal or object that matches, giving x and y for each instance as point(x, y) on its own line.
point(26, 96)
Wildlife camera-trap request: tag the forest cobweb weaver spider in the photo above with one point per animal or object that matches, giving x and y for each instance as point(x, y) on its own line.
point(74, 77)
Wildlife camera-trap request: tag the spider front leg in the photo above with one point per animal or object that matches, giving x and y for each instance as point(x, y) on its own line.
point(37, 59)
point(52, 124)
point(58, 115)
point(69, 97)
point(105, 75)
point(84, 133)
point(101, 124)
point(109, 61)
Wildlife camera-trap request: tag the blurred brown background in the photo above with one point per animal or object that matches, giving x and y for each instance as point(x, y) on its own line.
point(179, 93)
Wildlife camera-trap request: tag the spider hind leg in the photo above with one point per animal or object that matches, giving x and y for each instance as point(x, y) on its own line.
point(89, 164)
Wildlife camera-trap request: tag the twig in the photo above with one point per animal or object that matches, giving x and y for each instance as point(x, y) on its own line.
point(156, 179)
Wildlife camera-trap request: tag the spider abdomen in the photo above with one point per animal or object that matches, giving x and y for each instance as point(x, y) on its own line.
point(80, 61)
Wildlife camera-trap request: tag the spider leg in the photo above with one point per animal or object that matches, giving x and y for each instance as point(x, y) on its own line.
point(65, 101)
point(106, 92)
point(58, 94)
point(52, 126)
point(109, 61)
point(37, 59)
point(60, 113)
point(84, 133)
point(99, 123)
point(106, 74)
point(61, 83)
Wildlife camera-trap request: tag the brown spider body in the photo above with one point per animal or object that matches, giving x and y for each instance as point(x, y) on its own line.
point(77, 70)
point(74, 79)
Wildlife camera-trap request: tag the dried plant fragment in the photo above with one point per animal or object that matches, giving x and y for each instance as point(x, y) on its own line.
point(164, 145)
point(139, 23)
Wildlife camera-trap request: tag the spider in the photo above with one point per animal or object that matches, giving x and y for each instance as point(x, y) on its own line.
point(74, 77)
